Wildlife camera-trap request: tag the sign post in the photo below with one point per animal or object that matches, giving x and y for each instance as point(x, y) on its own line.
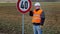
point(23, 6)
point(23, 24)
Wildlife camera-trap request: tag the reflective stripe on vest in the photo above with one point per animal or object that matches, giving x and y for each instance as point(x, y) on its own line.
point(36, 16)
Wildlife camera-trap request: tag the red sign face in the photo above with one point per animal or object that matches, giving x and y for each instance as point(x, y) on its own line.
point(24, 6)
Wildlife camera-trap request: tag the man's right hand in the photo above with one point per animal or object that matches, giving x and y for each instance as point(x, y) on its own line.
point(31, 13)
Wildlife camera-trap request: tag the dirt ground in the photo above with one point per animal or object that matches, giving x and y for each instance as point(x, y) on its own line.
point(10, 19)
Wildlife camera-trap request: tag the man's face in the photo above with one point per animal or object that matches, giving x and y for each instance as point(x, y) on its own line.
point(37, 7)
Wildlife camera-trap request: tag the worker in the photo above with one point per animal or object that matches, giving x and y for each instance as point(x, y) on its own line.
point(38, 18)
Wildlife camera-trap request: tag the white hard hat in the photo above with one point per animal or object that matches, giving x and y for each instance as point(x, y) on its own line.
point(37, 4)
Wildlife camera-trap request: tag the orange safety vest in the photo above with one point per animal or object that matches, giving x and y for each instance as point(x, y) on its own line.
point(36, 16)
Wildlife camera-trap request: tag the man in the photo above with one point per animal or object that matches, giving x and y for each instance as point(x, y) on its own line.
point(38, 18)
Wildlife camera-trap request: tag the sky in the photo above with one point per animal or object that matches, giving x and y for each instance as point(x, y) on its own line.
point(14, 1)
point(47, 0)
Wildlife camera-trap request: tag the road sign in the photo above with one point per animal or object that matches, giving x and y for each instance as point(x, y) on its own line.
point(24, 5)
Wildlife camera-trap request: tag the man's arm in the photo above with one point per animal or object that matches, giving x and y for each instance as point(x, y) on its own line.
point(31, 13)
point(42, 18)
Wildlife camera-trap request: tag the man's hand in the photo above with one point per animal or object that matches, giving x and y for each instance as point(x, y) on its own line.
point(31, 13)
point(41, 26)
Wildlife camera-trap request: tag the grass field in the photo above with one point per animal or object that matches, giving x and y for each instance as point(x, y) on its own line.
point(10, 19)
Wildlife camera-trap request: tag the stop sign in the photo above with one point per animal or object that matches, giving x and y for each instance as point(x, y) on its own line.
point(24, 6)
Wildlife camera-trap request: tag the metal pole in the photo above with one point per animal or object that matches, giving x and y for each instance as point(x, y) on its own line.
point(23, 24)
